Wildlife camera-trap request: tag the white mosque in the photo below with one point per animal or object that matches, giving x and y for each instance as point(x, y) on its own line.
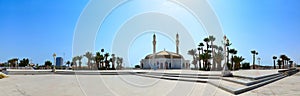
point(165, 59)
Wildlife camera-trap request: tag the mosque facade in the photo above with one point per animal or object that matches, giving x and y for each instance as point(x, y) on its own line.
point(165, 59)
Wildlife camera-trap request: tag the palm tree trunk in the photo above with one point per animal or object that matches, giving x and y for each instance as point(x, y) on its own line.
point(283, 64)
point(274, 64)
point(231, 66)
point(253, 61)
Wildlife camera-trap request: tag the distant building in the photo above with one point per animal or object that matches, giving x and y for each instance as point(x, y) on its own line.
point(59, 61)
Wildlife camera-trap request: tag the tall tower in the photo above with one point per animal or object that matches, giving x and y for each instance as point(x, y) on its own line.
point(177, 43)
point(154, 43)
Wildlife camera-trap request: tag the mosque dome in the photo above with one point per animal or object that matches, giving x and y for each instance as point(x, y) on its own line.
point(165, 54)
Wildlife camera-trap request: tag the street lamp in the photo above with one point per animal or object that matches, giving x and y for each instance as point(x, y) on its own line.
point(54, 56)
point(258, 59)
point(226, 72)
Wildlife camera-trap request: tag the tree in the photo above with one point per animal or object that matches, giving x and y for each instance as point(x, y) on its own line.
point(205, 57)
point(113, 59)
point(279, 62)
point(246, 66)
point(97, 59)
point(287, 62)
point(137, 66)
point(79, 59)
point(237, 60)
point(212, 40)
point(13, 62)
point(232, 52)
point(214, 64)
point(68, 63)
point(106, 55)
point(291, 63)
point(283, 58)
point(119, 62)
point(74, 59)
point(219, 56)
point(102, 50)
point(89, 56)
point(200, 48)
point(192, 52)
point(48, 63)
point(206, 40)
point(254, 53)
point(24, 62)
point(274, 58)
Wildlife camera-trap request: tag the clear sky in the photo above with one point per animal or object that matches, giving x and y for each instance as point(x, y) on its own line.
point(36, 29)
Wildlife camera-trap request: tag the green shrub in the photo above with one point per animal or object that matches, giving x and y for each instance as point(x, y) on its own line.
point(137, 66)
point(245, 65)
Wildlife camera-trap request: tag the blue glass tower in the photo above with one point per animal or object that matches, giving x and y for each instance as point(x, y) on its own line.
point(59, 61)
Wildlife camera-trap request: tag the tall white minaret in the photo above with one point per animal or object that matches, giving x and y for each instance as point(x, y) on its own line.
point(177, 43)
point(154, 43)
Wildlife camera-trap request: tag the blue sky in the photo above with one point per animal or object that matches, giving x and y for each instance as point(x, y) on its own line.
point(38, 28)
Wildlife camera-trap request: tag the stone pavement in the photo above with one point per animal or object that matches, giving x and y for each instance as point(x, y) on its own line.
point(133, 85)
point(289, 86)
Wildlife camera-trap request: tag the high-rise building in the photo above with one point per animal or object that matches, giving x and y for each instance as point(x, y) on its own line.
point(59, 61)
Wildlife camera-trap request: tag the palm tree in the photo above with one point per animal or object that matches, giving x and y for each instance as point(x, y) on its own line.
point(48, 64)
point(113, 59)
point(232, 52)
point(283, 58)
point(279, 62)
point(254, 53)
point(106, 55)
point(212, 40)
point(74, 59)
point(102, 61)
point(219, 56)
point(205, 57)
point(206, 40)
point(79, 59)
point(89, 56)
point(119, 62)
point(12, 63)
point(102, 58)
point(237, 61)
point(291, 63)
point(200, 48)
point(287, 62)
point(274, 58)
point(68, 63)
point(192, 52)
point(92, 63)
point(97, 59)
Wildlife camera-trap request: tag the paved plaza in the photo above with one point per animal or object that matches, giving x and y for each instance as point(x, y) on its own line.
point(135, 85)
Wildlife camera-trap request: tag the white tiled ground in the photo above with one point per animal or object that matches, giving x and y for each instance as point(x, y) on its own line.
point(131, 85)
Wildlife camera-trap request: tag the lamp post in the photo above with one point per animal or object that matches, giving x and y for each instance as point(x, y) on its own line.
point(54, 56)
point(258, 59)
point(226, 72)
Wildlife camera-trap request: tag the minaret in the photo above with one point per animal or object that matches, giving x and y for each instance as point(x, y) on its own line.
point(154, 43)
point(177, 43)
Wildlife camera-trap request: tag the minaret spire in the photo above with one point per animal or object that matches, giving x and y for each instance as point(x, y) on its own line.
point(154, 43)
point(177, 43)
